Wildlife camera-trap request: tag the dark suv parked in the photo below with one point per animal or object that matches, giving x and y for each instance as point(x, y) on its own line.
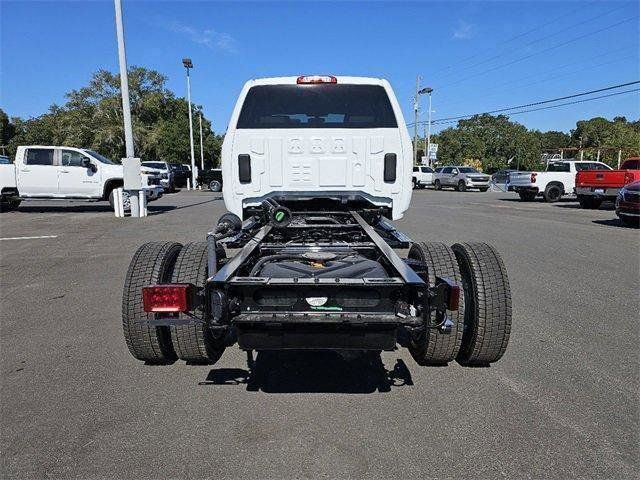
point(211, 178)
point(180, 174)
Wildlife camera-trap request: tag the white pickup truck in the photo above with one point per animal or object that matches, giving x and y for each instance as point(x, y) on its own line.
point(422, 176)
point(557, 180)
point(51, 172)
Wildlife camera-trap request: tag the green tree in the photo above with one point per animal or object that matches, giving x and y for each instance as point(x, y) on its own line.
point(7, 128)
point(492, 140)
point(92, 117)
point(552, 140)
point(609, 137)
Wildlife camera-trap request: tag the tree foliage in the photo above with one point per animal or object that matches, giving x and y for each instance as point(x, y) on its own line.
point(7, 128)
point(494, 140)
point(608, 136)
point(92, 118)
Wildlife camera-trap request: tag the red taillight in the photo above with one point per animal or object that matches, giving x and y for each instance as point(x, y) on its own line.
point(310, 79)
point(166, 298)
point(533, 177)
point(628, 177)
point(454, 297)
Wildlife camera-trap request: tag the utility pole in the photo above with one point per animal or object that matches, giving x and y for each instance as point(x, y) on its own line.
point(416, 108)
point(429, 91)
point(188, 65)
point(201, 146)
point(426, 142)
point(129, 160)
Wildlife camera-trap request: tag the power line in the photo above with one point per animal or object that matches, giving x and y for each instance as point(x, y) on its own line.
point(533, 104)
point(540, 39)
point(498, 67)
point(561, 104)
point(554, 76)
point(509, 40)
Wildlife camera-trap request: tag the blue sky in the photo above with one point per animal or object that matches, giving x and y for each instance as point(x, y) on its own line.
point(478, 56)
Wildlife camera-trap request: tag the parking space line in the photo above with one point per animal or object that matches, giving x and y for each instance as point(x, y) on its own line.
point(29, 238)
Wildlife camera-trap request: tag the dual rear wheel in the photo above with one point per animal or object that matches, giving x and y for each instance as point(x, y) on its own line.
point(168, 262)
point(482, 325)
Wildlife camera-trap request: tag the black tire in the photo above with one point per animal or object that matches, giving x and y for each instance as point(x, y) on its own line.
point(215, 186)
point(437, 185)
point(487, 317)
point(628, 221)
point(414, 182)
point(232, 219)
point(435, 347)
point(195, 343)
point(461, 186)
point(527, 196)
point(552, 193)
point(10, 205)
point(589, 202)
point(151, 264)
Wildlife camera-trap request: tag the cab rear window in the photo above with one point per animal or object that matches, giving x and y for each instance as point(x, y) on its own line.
point(559, 167)
point(317, 106)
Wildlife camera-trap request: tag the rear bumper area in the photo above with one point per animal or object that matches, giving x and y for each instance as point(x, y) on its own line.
point(319, 332)
point(317, 337)
point(524, 188)
point(599, 192)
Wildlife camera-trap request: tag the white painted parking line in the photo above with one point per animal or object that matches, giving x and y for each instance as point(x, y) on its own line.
point(29, 238)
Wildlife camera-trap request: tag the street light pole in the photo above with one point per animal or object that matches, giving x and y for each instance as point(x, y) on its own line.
point(416, 107)
point(126, 112)
point(429, 128)
point(124, 82)
point(201, 146)
point(188, 65)
point(419, 92)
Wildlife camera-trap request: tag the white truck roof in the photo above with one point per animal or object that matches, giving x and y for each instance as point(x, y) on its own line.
point(340, 79)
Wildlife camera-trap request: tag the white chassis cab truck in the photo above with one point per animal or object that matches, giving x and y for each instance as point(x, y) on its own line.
point(315, 168)
point(52, 172)
point(557, 180)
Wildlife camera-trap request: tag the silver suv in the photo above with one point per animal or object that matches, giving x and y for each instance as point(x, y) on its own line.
point(461, 178)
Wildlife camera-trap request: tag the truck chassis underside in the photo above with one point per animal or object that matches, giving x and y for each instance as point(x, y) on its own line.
point(311, 279)
point(356, 313)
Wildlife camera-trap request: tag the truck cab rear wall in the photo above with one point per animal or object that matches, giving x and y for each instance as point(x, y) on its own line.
point(338, 138)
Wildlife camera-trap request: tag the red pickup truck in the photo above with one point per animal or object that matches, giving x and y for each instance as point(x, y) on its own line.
point(595, 186)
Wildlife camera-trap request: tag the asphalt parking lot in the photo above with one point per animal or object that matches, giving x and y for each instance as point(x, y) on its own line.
point(562, 403)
